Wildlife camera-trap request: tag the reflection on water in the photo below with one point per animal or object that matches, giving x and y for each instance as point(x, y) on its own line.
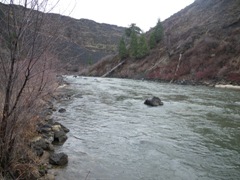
point(195, 135)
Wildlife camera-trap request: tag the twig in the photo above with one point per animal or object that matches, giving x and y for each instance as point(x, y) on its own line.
point(87, 175)
point(77, 137)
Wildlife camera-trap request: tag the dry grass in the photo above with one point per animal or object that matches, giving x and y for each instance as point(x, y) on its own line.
point(24, 164)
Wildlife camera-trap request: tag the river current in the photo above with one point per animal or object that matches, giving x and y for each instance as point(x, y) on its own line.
point(114, 136)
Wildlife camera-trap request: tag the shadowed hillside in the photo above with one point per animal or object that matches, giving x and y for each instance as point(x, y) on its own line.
point(80, 42)
point(201, 43)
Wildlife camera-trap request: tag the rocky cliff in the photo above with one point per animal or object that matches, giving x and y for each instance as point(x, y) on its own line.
point(201, 43)
point(84, 42)
point(79, 42)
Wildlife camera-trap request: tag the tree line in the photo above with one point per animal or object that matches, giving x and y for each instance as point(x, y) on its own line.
point(138, 46)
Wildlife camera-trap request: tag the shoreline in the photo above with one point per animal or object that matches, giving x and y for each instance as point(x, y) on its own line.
point(50, 133)
point(209, 83)
point(227, 86)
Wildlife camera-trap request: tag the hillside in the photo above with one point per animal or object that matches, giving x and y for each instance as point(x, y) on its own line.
point(79, 42)
point(201, 43)
point(85, 41)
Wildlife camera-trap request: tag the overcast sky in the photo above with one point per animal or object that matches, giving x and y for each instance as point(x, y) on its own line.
point(144, 13)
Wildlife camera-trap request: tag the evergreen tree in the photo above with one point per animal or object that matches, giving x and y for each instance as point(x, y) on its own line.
point(122, 50)
point(138, 47)
point(152, 41)
point(143, 49)
point(158, 31)
point(134, 45)
point(132, 28)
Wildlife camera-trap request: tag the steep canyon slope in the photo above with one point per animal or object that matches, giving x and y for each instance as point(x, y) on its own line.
point(201, 43)
point(78, 42)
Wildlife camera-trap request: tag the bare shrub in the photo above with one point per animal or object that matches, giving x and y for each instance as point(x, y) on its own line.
point(26, 77)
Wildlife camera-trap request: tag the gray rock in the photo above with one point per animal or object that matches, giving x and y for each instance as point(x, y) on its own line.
point(49, 136)
point(62, 110)
point(40, 144)
point(45, 128)
point(66, 130)
point(56, 128)
point(42, 172)
point(48, 177)
point(54, 109)
point(50, 121)
point(38, 150)
point(155, 101)
point(59, 159)
point(59, 137)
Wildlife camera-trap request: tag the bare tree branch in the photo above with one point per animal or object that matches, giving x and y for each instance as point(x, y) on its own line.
point(24, 68)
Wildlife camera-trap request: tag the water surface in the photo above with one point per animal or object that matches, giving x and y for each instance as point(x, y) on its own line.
point(113, 135)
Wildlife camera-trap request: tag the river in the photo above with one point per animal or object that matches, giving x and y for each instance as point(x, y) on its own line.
point(114, 136)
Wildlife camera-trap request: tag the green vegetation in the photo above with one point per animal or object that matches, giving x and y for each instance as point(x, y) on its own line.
point(152, 41)
point(157, 35)
point(133, 49)
point(138, 47)
point(132, 29)
point(158, 31)
point(90, 60)
point(123, 53)
point(143, 49)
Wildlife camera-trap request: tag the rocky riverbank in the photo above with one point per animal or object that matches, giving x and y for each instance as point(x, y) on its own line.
point(50, 133)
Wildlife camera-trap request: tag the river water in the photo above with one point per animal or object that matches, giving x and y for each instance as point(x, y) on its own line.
point(114, 136)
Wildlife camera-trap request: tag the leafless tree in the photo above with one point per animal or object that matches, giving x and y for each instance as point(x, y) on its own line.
point(24, 65)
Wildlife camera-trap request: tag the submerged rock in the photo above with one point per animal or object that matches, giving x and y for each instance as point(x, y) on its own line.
point(62, 110)
point(155, 101)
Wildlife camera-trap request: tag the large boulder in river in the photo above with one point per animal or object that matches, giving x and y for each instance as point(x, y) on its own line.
point(155, 101)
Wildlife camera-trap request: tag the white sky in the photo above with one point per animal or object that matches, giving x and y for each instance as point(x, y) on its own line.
point(144, 13)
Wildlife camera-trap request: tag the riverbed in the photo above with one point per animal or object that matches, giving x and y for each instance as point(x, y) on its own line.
point(115, 136)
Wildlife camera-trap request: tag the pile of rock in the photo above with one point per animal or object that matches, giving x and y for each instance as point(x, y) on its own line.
point(50, 133)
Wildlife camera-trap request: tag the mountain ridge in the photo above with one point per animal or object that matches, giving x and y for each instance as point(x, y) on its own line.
point(206, 34)
point(80, 42)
